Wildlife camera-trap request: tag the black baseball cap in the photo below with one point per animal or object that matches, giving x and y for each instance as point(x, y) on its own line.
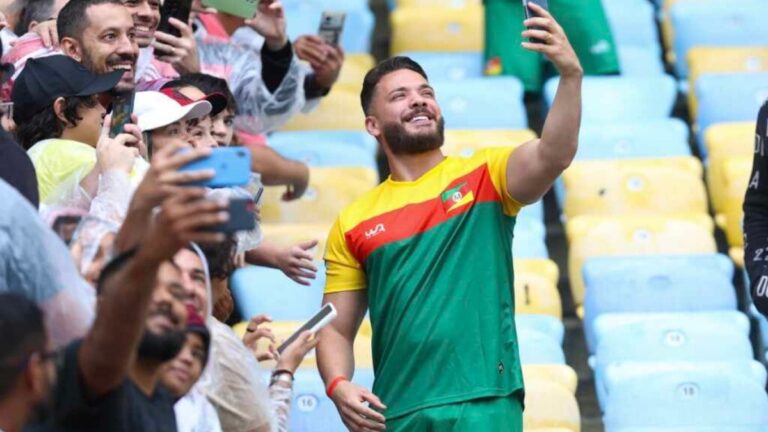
point(47, 78)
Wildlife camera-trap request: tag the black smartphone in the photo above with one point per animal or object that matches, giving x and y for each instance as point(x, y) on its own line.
point(122, 108)
point(178, 9)
point(531, 14)
point(242, 216)
point(331, 26)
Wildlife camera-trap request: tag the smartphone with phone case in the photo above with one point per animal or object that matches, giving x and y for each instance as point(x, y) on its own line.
point(531, 14)
point(331, 26)
point(242, 216)
point(178, 9)
point(231, 166)
point(122, 108)
point(315, 324)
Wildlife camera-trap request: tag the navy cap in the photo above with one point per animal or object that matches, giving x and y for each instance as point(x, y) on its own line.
point(47, 78)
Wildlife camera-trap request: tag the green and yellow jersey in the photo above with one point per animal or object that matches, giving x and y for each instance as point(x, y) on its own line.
point(435, 255)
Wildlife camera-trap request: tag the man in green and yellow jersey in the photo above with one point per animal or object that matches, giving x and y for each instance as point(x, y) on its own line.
point(429, 253)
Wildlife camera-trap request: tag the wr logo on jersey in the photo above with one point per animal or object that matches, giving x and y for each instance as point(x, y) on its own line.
point(371, 233)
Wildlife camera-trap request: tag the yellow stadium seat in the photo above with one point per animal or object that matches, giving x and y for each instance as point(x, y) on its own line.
point(437, 29)
point(534, 294)
point(594, 236)
point(290, 234)
point(353, 71)
point(723, 141)
point(556, 373)
point(539, 266)
point(737, 255)
point(736, 175)
point(616, 187)
point(550, 405)
point(283, 329)
point(330, 190)
point(525, 429)
point(467, 142)
point(437, 3)
point(340, 110)
point(708, 59)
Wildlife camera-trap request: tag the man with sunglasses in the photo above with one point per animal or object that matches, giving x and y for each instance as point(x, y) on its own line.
point(27, 363)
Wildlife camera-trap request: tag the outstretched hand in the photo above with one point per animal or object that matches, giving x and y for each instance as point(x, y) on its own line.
point(553, 42)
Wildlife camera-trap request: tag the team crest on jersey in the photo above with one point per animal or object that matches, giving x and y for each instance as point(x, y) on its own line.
point(457, 196)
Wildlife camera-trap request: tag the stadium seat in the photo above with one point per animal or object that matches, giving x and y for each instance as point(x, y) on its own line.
point(354, 69)
point(533, 211)
point(442, 29)
point(632, 23)
point(656, 284)
point(688, 401)
point(616, 375)
point(728, 98)
point(447, 66)
point(329, 155)
point(311, 409)
point(715, 23)
point(358, 25)
point(285, 235)
point(550, 405)
point(736, 174)
point(710, 59)
point(323, 139)
point(467, 142)
point(622, 99)
point(634, 139)
point(640, 186)
point(640, 61)
point(330, 191)
point(528, 241)
point(534, 294)
point(724, 141)
point(559, 374)
point(436, 3)
point(482, 103)
point(262, 290)
point(544, 268)
point(594, 236)
point(326, 116)
point(537, 348)
point(547, 324)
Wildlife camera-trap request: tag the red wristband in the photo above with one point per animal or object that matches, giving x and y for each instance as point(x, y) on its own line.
point(334, 383)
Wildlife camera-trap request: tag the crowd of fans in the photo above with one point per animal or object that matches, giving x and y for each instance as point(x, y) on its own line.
point(114, 292)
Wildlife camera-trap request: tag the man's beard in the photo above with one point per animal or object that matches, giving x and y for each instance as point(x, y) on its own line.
point(161, 347)
point(401, 142)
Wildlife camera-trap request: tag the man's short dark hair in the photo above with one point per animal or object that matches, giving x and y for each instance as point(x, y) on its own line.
point(33, 11)
point(45, 124)
point(209, 84)
point(73, 20)
point(21, 324)
point(386, 67)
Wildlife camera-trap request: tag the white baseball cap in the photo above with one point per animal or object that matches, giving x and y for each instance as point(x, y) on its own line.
point(156, 110)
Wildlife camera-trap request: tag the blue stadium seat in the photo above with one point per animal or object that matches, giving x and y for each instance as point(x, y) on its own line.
point(539, 348)
point(447, 66)
point(482, 103)
point(330, 155)
point(616, 375)
point(261, 290)
point(311, 409)
point(533, 211)
point(304, 19)
point(716, 23)
point(323, 139)
point(632, 140)
point(529, 239)
point(656, 284)
point(688, 401)
point(546, 324)
point(640, 61)
point(670, 337)
point(333, 5)
point(728, 98)
point(622, 98)
point(632, 22)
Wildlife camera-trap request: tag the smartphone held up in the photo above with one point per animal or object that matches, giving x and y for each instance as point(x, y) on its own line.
point(331, 26)
point(529, 13)
point(179, 9)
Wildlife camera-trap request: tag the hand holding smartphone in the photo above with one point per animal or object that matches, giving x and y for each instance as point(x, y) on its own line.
point(122, 108)
point(529, 13)
point(315, 324)
point(178, 9)
point(331, 26)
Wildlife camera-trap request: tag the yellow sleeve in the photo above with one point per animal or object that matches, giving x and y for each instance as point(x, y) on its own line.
point(496, 159)
point(343, 271)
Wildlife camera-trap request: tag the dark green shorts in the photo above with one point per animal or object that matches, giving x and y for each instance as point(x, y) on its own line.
point(502, 414)
point(583, 21)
